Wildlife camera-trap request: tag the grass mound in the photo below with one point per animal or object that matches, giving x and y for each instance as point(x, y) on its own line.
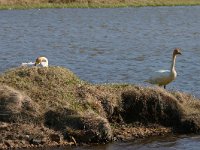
point(15, 106)
point(51, 88)
point(173, 109)
point(84, 112)
point(151, 105)
point(54, 89)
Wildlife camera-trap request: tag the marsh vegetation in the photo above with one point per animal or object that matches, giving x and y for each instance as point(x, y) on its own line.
point(24, 4)
point(55, 107)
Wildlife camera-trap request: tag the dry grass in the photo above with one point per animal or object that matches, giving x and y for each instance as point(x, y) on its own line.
point(54, 90)
point(51, 87)
point(21, 4)
point(151, 105)
point(136, 2)
point(77, 108)
point(16, 106)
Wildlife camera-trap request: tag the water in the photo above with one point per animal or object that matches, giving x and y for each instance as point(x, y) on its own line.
point(182, 142)
point(123, 45)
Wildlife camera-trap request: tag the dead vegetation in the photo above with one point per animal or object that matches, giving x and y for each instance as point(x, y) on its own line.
point(56, 98)
point(15, 106)
point(92, 3)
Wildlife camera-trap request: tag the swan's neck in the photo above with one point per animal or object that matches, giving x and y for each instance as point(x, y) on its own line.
point(173, 63)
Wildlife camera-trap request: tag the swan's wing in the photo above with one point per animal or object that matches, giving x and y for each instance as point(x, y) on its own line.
point(159, 77)
point(30, 64)
point(27, 64)
point(162, 71)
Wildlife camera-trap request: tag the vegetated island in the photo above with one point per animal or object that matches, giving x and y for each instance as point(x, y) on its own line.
point(27, 4)
point(42, 107)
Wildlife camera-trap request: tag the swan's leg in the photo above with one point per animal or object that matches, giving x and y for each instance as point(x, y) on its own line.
point(164, 86)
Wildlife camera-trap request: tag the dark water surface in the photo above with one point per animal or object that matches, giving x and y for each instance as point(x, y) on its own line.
point(157, 143)
point(123, 45)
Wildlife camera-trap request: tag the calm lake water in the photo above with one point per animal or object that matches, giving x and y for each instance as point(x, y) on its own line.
point(122, 45)
point(157, 143)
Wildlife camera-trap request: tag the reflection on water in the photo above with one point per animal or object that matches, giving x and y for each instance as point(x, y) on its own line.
point(108, 45)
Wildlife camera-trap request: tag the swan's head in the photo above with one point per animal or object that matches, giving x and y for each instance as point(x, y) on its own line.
point(43, 61)
point(177, 51)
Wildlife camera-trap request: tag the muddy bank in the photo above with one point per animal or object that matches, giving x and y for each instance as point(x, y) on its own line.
point(53, 107)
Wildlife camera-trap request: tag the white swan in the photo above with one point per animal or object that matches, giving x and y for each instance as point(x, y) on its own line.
point(164, 77)
point(43, 61)
point(40, 61)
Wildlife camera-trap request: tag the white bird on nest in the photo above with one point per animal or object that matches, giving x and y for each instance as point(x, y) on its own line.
point(40, 61)
point(164, 77)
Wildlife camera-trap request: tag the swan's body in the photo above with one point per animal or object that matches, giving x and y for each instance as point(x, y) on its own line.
point(42, 61)
point(164, 77)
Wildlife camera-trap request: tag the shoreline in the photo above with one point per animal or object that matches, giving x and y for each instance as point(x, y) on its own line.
point(43, 137)
point(155, 3)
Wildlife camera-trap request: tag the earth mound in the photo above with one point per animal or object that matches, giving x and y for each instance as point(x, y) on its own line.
point(54, 99)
